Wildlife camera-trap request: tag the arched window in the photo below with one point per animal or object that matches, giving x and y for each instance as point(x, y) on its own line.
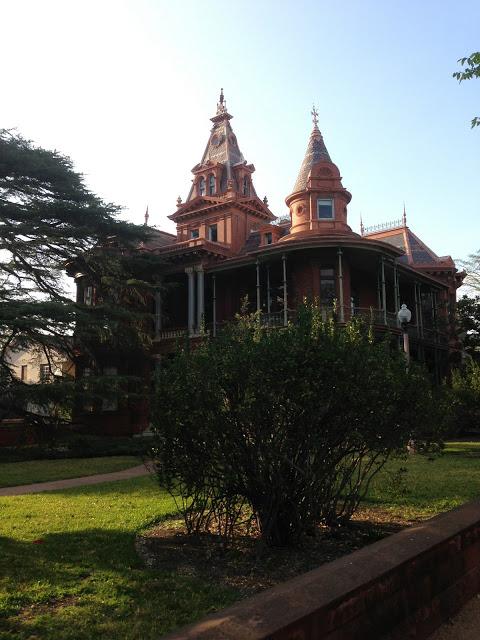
point(211, 184)
point(246, 186)
point(201, 187)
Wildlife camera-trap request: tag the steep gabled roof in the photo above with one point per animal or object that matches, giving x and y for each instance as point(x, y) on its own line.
point(417, 253)
point(222, 146)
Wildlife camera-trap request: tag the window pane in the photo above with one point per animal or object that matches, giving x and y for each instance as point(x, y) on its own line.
point(194, 233)
point(327, 287)
point(324, 208)
point(212, 233)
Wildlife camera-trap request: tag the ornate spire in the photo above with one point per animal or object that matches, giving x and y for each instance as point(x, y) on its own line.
point(362, 228)
point(316, 152)
point(146, 217)
point(404, 217)
point(222, 148)
point(221, 104)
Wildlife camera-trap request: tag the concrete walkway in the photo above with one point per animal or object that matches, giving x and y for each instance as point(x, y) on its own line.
point(464, 626)
point(55, 485)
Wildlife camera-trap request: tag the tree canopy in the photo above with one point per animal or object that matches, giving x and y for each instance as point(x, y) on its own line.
point(471, 70)
point(49, 219)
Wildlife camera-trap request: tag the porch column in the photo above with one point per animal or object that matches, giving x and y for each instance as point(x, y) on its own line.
point(258, 285)
point(417, 308)
point(420, 315)
point(214, 305)
point(384, 292)
point(396, 287)
point(285, 299)
point(269, 300)
point(379, 289)
point(340, 286)
point(191, 299)
point(434, 315)
point(200, 298)
point(158, 313)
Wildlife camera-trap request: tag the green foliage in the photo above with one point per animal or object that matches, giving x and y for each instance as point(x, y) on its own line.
point(468, 317)
point(464, 399)
point(50, 222)
point(471, 70)
point(289, 425)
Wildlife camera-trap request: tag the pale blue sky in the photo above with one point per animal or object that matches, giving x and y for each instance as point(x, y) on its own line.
point(127, 89)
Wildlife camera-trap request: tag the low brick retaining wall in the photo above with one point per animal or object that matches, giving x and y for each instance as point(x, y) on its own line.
point(403, 586)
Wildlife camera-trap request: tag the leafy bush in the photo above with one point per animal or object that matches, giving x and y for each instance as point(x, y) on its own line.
point(464, 399)
point(288, 425)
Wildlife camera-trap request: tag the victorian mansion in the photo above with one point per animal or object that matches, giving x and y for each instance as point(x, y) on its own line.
point(229, 246)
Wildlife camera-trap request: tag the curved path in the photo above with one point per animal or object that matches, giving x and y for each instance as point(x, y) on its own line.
point(54, 485)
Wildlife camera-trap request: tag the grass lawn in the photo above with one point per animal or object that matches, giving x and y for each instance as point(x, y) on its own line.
point(68, 568)
point(14, 473)
point(425, 487)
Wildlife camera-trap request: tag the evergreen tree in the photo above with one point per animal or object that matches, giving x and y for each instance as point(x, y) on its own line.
point(49, 223)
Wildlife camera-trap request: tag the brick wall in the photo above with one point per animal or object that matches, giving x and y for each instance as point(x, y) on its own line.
point(401, 587)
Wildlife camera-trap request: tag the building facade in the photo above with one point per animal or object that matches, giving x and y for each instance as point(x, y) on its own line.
point(229, 248)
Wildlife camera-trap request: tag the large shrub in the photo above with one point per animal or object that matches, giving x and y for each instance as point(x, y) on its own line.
point(288, 425)
point(464, 399)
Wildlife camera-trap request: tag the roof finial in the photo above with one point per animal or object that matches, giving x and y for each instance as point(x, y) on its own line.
point(221, 104)
point(314, 113)
point(404, 217)
point(146, 217)
point(362, 228)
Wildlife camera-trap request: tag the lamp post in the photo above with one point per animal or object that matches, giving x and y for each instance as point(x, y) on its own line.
point(404, 316)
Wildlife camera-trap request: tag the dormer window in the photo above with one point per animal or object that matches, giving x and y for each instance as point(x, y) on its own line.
point(246, 186)
point(324, 208)
point(212, 233)
point(201, 187)
point(211, 185)
point(268, 238)
point(194, 233)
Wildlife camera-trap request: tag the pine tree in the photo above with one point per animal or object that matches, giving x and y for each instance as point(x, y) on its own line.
point(51, 223)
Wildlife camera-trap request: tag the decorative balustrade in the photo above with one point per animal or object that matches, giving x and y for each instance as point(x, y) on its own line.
point(383, 226)
point(276, 319)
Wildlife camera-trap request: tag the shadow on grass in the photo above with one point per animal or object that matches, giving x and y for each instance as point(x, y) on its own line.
point(86, 584)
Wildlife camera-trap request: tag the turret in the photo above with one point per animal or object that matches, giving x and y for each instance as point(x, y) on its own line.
point(318, 203)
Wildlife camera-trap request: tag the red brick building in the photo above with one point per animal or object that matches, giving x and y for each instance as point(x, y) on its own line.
point(229, 246)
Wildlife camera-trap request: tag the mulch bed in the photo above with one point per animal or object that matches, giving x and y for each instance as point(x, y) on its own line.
point(247, 566)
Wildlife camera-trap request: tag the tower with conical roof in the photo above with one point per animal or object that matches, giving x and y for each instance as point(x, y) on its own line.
point(318, 203)
point(222, 167)
point(222, 205)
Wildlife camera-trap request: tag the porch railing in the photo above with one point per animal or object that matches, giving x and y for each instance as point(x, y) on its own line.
point(276, 319)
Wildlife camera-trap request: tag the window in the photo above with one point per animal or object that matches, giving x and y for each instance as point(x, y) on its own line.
point(88, 296)
point(212, 233)
point(194, 234)
point(268, 238)
point(211, 185)
point(45, 373)
point(23, 372)
point(246, 187)
point(324, 209)
point(201, 187)
point(327, 287)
